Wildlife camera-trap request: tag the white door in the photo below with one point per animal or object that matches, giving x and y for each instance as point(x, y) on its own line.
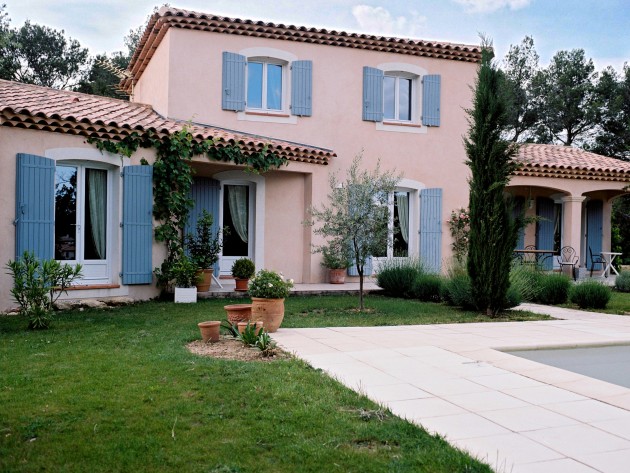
point(237, 215)
point(82, 220)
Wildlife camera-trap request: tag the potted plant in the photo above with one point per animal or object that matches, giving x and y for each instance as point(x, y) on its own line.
point(242, 270)
point(204, 247)
point(184, 273)
point(268, 290)
point(336, 259)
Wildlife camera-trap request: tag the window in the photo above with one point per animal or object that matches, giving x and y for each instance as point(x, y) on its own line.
point(398, 244)
point(265, 85)
point(398, 97)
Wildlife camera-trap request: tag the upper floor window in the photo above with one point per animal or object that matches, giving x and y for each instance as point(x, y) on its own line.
point(398, 97)
point(265, 85)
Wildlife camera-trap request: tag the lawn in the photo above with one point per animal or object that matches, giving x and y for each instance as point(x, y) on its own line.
point(619, 304)
point(118, 391)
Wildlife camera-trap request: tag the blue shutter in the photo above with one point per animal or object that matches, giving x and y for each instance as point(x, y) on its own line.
point(372, 94)
point(302, 88)
point(367, 269)
point(431, 228)
point(233, 85)
point(431, 86)
point(205, 193)
point(545, 210)
point(34, 206)
point(137, 225)
point(594, 228)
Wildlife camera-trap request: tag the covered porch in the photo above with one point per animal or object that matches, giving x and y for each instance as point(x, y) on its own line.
point(569, 194)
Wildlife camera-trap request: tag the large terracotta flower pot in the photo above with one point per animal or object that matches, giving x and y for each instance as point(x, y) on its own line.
point(241, 284)
point(337, 276)
point(204, 276)
point(270, 311)
point(209, 330)
point(238, 312)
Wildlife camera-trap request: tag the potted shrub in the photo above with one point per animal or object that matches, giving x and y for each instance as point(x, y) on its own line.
point(268, 290)
point(337, 260)
point(242, 270)
point(184, 273)
point(204, 248)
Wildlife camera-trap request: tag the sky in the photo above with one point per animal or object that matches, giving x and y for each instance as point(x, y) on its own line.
point(600, 27)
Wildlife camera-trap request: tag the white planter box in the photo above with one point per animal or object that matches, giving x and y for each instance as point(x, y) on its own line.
point(185, 294)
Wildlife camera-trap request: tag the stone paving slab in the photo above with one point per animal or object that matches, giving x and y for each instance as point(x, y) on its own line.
point(516, 414)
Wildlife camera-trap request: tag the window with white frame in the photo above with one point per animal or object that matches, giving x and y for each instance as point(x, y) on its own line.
point(266, 84)
point(399, 96)
point(398, 244)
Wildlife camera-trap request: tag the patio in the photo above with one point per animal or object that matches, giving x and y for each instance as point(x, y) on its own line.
point(519, 415)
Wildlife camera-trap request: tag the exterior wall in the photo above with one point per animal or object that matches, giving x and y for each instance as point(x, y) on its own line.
point(14, 141)
point(153, 86)
point(434, 157)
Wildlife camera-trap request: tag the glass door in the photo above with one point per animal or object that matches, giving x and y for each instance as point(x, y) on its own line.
point(238, 220)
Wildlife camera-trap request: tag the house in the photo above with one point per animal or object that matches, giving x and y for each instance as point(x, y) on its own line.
point(316, 96)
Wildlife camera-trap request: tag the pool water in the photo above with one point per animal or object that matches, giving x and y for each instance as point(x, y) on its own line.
point(610, 363)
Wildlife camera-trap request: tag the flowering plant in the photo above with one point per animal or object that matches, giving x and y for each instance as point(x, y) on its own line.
point(459, 224)
point(269, 285)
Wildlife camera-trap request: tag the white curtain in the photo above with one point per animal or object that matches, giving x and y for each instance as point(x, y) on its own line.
point(237, 200)
point(97, 183)
point(402, 202)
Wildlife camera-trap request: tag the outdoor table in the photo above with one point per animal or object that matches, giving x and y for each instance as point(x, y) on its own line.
point(542, 254)
point(609, 257)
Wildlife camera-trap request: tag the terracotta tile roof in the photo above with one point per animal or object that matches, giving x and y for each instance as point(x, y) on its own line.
point(42, 108)
point(569, 162)
point(168, 17)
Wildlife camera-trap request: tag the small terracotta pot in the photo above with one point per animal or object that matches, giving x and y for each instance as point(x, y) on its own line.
point(337, 276)
point(270, 311)
point(241, 284)
point(209, 330)
point(204, 276)
point(243, 325)
point(238, 312)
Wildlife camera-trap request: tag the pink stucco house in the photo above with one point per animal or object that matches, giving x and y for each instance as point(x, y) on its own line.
point(316, 96)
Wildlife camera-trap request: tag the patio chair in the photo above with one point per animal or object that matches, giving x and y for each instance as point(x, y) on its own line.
point(529, 258)
point(597, 259)
point(568, 257)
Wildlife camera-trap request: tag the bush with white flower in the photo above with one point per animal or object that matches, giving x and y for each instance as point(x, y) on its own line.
point(459, 224)
point(269, 285)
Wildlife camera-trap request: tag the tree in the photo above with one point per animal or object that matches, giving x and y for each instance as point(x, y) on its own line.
point(520, 67)
point(43, 56)
point(613, 137)
point(565, 99)
point(493, 232)
point(357, 214)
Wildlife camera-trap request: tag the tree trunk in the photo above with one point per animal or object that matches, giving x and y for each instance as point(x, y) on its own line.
point(361, 306)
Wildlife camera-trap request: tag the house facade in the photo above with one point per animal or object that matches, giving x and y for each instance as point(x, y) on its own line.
point(315, 96)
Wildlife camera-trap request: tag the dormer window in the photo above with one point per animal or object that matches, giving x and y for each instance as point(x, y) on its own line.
point(265, 85)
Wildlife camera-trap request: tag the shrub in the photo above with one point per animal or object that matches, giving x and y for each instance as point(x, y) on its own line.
point(526, 279)
point(427, 287)
point(554, 289)
point(270, 285)
point(590, 295)
point(243, 268)
point(512, 298)
point(37, 284)
point(622, 283)
point(398, 275)
point(457, 291)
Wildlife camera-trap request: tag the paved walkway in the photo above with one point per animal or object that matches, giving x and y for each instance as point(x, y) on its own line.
point(453, 379)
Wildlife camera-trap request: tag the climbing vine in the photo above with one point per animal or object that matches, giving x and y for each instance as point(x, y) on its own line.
point(173, 178)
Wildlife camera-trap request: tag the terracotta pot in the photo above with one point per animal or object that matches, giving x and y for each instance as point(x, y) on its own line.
point(270, 311)
point(205, 278)
point(337, 276)
point(243, 325)
point(241, 284)
point(209, 330)
point(238, 312)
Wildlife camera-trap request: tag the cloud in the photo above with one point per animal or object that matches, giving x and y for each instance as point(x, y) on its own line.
point(489, 6)
point(378, 20)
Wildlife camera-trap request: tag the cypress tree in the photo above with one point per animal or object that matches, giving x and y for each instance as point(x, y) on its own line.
point(493, 230)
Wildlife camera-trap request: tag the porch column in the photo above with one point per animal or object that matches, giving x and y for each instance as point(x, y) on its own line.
point(572, 223)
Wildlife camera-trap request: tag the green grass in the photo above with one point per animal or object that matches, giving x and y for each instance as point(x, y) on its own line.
point(118, 391)
point(619, 304)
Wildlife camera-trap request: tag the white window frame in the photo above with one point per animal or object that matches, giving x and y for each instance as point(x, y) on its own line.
point(265, 61)
point(413, 117)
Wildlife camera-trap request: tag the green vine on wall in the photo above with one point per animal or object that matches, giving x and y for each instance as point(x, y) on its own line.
point(173, 178)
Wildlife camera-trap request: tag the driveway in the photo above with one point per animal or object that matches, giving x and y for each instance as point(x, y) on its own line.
point(453, 379)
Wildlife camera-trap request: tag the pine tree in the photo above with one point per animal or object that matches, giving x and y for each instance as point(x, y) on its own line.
point(493, 231)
